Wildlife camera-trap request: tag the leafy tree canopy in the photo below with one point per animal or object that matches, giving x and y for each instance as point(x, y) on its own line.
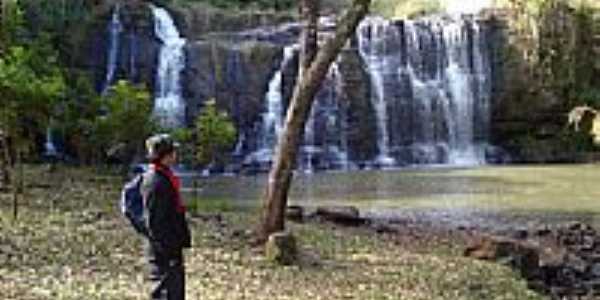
point(29, 87)
point(216, 133)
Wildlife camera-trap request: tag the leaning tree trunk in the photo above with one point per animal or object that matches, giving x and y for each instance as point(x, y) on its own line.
point(309, 12)
point(280, 176)
point(18, 186)
point(4, 161)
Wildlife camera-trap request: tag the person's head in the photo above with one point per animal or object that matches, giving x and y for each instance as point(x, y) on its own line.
point(162, 149)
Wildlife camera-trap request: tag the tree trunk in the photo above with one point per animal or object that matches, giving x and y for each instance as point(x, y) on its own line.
point(280, 176)
point(309, 12)
point(5, 161)
point(17, 186)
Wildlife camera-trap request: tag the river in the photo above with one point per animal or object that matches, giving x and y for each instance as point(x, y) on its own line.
point(487, 195)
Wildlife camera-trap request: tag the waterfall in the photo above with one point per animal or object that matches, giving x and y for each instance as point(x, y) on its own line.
point(372, 45)
point(434, 75)
point(325, 138)
point(114, 30)
point(323, 146)
point(337, 122)
point(49, 147)
point(461, 147)
point(272, 118)
point(308, 149)
point(132, 54)
point(169, 106)
point(428, 84)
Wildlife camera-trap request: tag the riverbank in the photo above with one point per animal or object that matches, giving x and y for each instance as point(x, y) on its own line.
point(71, 243)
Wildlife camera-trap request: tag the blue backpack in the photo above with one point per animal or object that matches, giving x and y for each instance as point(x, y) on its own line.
point(132, 204)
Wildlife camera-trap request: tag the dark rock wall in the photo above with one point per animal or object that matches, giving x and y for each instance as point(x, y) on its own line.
point(138, 47)
point(362, 129)
point(236, 75)
point(232, 58)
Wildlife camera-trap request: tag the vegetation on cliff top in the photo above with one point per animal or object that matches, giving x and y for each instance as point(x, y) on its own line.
point(549, 63)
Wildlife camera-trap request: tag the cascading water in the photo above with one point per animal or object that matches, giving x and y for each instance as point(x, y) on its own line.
point(426, 86)
point(430, 92)
point(372, 46)
point(272, 118)
point(325, 140)
point(114, 30)
point(49, 147)
point(323, 146)
point(132, 54)
point(431, 83)
point(169, 106)
point(308, 149)
point(337, 122)
point(462, 149)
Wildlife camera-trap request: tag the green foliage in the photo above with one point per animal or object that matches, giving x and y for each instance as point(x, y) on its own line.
point(61, 24)
point(246, 4)
point(33, 37)
point(55, 16)
point(185, 137)
point(29, 87)
point(204, 205)
point(121, 123)
point(405, 9)
point(11, 23)
point(216, 134)
point(551, 56)
point(590, 97)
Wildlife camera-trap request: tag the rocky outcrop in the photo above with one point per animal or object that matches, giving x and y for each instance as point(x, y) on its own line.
point(563, 262)
point(236, 75)
point(523, 256)
point(362, 134)
point(138, 47)
point(342, 215)
point(294, 213)
point(233, 56)
point(197, 20)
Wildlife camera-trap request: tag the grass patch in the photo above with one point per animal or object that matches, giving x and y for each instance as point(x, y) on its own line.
point(81, 248)
point(208, 205)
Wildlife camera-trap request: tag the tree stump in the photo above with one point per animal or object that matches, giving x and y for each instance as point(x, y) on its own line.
point(281, 248)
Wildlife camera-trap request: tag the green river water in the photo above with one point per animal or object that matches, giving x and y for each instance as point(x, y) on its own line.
point(470, 195)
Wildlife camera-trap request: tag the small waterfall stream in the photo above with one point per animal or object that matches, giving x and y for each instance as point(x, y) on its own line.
point(323, 144)
point(272, 117)
point(372, 45)
point(49, 146)
point(169, 107)
point(114, 31)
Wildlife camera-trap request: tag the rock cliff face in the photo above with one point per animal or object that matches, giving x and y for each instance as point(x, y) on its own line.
point(235, 74)
point(400, 93)
point(130, 29)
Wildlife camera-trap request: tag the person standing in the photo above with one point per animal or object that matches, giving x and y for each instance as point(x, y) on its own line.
point(165, 218)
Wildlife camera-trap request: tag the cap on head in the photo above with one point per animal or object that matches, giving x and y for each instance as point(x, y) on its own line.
point(158, 146)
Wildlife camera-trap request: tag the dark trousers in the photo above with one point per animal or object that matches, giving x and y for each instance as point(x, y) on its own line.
point(167, 273)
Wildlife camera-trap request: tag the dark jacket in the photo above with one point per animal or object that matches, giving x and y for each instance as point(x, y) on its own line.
point(168, 229)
